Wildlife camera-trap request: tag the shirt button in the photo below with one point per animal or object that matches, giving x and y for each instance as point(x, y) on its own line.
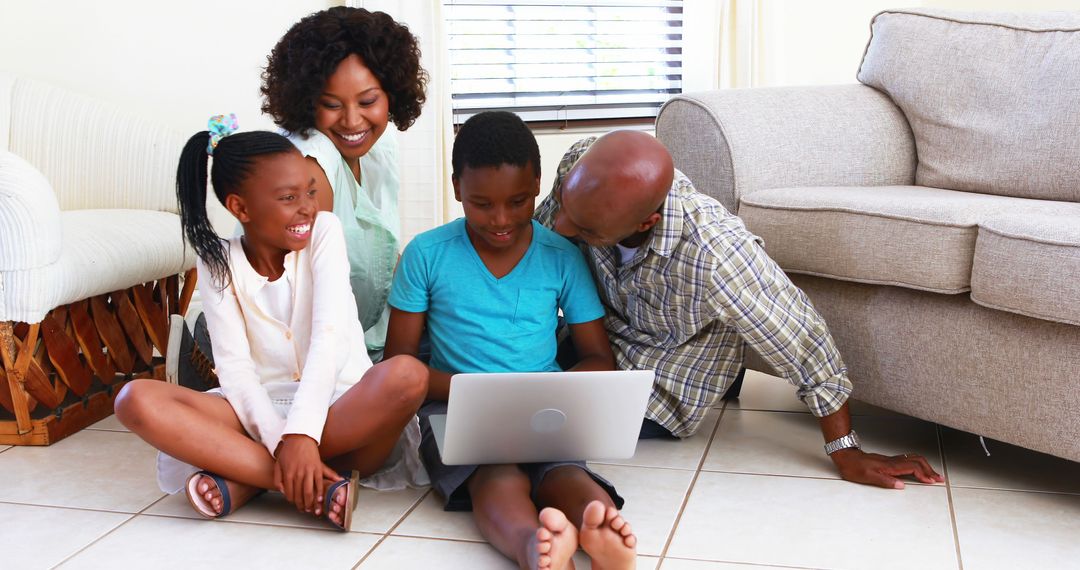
point(288, 335)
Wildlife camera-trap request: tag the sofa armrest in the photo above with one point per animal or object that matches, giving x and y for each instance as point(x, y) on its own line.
point(30, 234)
point(735, 141)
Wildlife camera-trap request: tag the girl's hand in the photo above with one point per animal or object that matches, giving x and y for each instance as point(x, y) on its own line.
point(299, 472)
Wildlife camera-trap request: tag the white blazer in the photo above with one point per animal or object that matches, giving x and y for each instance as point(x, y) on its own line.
point(322, 348)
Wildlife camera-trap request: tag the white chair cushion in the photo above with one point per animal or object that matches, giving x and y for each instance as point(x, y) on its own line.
point(102, 251)
point(29, 216)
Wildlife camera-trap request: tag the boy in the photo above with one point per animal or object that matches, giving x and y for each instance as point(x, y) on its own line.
point(488, 289)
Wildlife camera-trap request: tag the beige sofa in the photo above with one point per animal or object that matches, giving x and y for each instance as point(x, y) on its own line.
point(931, 212)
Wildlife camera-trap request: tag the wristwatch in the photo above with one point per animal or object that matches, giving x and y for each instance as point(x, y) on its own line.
point(849, 440)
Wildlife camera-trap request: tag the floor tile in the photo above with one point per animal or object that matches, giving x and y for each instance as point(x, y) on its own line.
point(429, 520)
point(764, 392)
point(92, 469)
point(109, 424)
point(673, 454)
point(1008, 467)
point(184, 544)
point(582, 562)
point(787, 521)
point(376, 511)
point(1010, 529)
point(407, 553)
point(683, 564)
point(761, 391)
point(42, 537)
point(783, 443)
point(653, 499)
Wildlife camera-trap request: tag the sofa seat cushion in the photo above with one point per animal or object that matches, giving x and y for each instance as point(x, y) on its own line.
point(1029, 265)
point(101, 251)
point(907, 236)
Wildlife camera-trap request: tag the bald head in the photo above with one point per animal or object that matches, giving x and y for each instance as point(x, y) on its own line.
point(618, 185)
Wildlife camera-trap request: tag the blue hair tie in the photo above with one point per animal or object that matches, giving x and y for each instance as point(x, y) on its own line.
point(220, 126)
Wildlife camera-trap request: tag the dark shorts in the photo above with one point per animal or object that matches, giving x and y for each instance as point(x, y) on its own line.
point(449, 480)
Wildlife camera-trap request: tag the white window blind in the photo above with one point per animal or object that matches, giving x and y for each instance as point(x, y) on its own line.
point(564, 61)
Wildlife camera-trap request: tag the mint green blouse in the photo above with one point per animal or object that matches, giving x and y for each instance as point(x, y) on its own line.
point(368, 211)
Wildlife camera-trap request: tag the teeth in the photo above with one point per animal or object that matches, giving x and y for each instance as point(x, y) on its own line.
point(353, 138)
point(301, 229)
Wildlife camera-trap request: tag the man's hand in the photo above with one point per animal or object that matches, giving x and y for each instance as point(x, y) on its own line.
point(299, 472)
point(872, 469)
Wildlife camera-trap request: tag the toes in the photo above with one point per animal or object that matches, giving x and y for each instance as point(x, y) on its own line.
point(543, 535)
point(630, 541)
point(625, 529)
point(553, 520)
point(593, 516)
point(617, 523)
point(544, 561)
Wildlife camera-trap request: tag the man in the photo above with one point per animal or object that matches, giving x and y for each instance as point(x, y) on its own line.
point(687, 287)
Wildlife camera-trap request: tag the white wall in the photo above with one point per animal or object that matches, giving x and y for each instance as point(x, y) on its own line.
point(179, 62)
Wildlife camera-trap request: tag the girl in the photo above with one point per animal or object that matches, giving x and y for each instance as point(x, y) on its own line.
point(333, 83)
point(299, 398)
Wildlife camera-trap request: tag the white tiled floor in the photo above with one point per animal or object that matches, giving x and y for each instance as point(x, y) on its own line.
point(751, 490)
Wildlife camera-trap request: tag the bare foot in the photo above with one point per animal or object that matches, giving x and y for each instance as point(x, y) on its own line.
point(607, 538)
point(554, 542)
point(209, 492)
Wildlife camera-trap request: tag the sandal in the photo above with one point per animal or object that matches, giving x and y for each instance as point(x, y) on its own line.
point(201, 505)
point(352, 492)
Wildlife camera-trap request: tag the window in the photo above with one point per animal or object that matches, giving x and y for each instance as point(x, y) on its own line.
point(564, 61)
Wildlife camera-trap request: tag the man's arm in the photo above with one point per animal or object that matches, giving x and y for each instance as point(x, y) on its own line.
point(775, 317)
point(403, 337)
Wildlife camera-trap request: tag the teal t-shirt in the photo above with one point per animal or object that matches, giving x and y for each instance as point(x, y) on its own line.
point(478, 323)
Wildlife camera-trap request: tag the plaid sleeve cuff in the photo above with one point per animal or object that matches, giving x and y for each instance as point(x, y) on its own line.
point(826, 398)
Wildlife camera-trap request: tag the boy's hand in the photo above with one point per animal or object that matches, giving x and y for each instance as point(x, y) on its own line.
point(299, 472)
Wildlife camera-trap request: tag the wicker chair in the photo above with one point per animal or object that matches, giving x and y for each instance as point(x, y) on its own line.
point(91, 257)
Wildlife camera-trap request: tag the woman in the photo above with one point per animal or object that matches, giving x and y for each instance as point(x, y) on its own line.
point(333, 83)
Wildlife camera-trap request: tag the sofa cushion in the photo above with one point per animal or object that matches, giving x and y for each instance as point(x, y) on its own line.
point(1029, 265)
point(991, 97)
point(908, 236)
point(102, 251)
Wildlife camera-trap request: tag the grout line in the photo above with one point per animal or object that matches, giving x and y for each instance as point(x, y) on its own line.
point(948, 495)
point(690, 489)
point(748, 564)
point(393, 527)
point(641, 466)
point(132, 517)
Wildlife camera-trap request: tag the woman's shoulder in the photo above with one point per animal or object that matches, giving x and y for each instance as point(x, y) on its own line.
point(313, 143)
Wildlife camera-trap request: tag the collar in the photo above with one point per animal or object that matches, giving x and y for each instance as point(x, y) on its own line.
point(667, 232)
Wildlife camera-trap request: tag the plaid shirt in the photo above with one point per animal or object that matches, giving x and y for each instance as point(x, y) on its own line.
point(693, 296)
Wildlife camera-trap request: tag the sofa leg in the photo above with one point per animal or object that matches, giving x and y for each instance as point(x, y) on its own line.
point(736, 387)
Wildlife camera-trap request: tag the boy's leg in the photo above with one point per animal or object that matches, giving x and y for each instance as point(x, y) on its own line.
point(508, 519)
point(364, 424)
point(602, 532)
point(199, 429)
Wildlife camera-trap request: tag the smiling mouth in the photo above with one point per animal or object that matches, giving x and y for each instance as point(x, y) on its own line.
point(299, 230)
point(353, 138)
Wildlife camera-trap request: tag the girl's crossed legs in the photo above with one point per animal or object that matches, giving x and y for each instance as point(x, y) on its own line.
point(362, 427)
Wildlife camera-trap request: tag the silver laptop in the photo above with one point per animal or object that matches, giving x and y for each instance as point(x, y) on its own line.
point(542, 416)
